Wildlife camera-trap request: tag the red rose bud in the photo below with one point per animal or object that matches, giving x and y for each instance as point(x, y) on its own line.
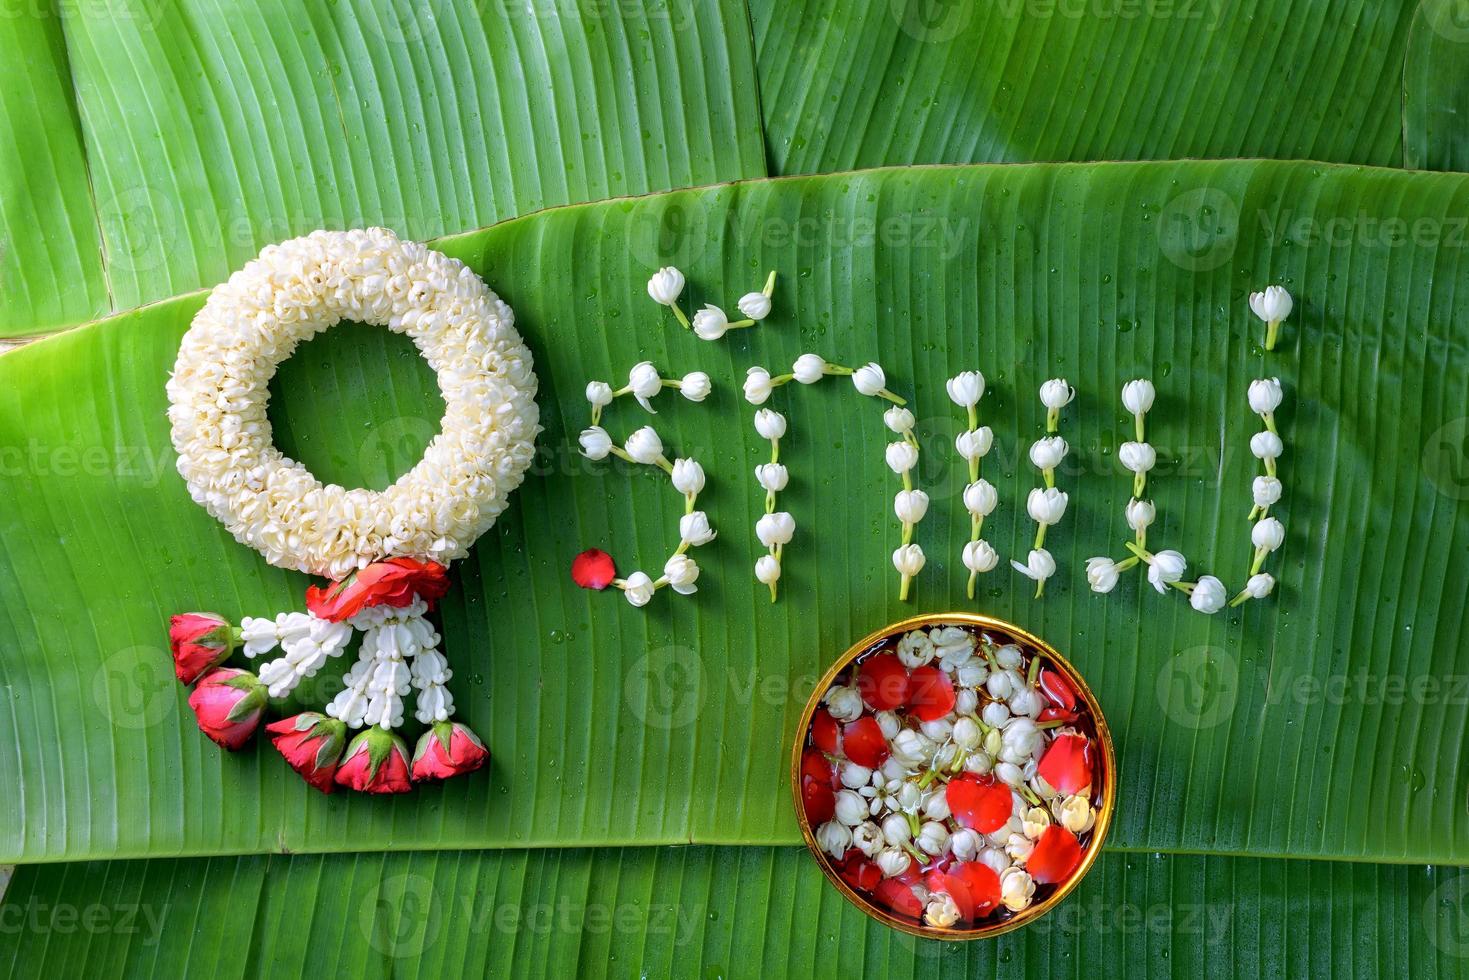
point(593, 569)
point(200, 641)
point(448, 749)
point(376, 762)
point(228, 703)
point(312, 744)
point(392, 582)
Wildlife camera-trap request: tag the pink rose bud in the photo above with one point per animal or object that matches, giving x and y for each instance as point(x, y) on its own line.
point(376, 762)
point(229, 703)
point(200, 641)
point(448, 749)
point(312, 743)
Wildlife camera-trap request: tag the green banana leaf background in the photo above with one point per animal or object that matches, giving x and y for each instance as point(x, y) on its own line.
point(1291, 799)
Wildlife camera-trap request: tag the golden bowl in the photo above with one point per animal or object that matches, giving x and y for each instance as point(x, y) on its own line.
point(1104, 794)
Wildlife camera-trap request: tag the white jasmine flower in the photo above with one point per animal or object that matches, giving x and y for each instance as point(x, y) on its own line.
point(895, 829)
point(1077, 814)
point(1266, 445)
point(1101, 574)
point(1046, 453)
point(1021, 738)
point(666, 286)
point(1268, 534)
point(638, 588)
point(682, 572)
point(965, 844)
point(867, 838)
point(1140, 514)
point(980, 498)
point(1039, 565)
point(1208, 596)
point(902, 456)
point(1166, 568)
point(1000, 685)
point(869, 379)
point(1009, 774)
point(1137, 396)
point(892, 861)
point(769, 423)
point(936, 806)
point(995, 859)
point(710, 323)
point(972, 673)
point(1056, 393)
point(644, 446)
point(852, 775)
point(755, 306)
point(966, 388)
point(1265, 395)
point(694, 528)
point(910, 505)
point(1046, 507)
point(695, 386)
point(1027, 702)
point(940, 729)
point(843, 703)
point(966, 702)
point(911, 748)
point(908, 560)
point(1272, 305)
point(757, 385)
point(851, 809)
point(941, 910)
point(1009, 656)
point(974, 443)
point(1261, 585)
point(996, 713)
point(1016, 888)
point(767, 570)
point(1018, 847)
point(890, 724)
point(1138, 457)
point(688, 476)
point(595, 442)
point(898, 419)
point(599, 394)
point(772, 476)
point(834, 838)
point(644, 383)
point(915, 649)
point(775, 529)
point(809, 368)
point(1266, 491)
point(1034, 822)
point(933, 838)
point(980, 557)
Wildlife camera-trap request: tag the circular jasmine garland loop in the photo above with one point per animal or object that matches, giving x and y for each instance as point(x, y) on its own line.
point(219, 390)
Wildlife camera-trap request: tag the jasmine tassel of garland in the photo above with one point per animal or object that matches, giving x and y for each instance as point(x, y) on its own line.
point(774, 528)
point(973, 444)
point(711, 322)
point(1046, 505)
point(1265, 395)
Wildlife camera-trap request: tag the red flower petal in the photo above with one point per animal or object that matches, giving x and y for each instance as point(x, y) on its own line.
point(898, 896)
point(824, 732)
point(1058, 689)
point(980, 803)
point(390, 582)
point(1055, 855)
point(974, 887)
point(1052, 713)
point(819, 800)
point(883, 682)
point(814, 766)
point(865, 743)
point(859, 872)
point(930, 693)
point(593, 569)
point(1067, 764)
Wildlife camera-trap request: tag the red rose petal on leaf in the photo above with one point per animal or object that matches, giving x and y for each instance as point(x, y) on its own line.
point(1055, 855)
point(980, 803)
point(857, 871)
point(1058, 689)
point(883, 682)
point(930, 693)
point(593, 569)
point(1067, 764)
point(974, 887)
point(864, 743)
point(818, 799)
point(824, 732)
point(898, 896)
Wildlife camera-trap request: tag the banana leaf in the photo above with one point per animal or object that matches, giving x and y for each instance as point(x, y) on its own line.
point(213, 127)
point(1320, 722)
point(1436, 87)
point(706, 911)
point(945, 81)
